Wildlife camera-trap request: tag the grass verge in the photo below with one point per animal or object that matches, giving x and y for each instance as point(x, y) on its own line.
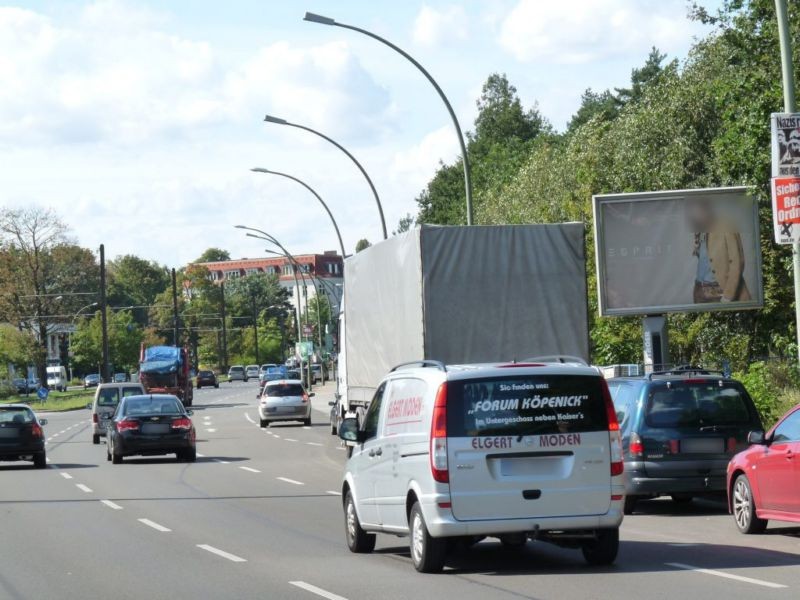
point(55, 401)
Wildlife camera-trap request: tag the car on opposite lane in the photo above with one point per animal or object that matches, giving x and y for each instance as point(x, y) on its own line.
point(151, 425)
point(284, 400)
point(237, 373)
point(764, 480)
point(206, 378)
point(22, 435)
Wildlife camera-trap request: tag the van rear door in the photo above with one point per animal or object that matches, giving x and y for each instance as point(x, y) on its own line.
point(528, 446)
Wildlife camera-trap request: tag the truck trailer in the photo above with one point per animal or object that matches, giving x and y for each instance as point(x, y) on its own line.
point(165, 370)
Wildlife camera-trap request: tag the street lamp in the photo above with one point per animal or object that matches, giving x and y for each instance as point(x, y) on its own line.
point(318, 197)
point(279, 121)
point(313, 18)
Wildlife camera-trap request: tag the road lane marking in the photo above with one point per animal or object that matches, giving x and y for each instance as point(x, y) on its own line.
point(154, 525)
point(287, 480)
point(111, 504)
point(249, 418)
point(760, 582)
point(211, 430)
point(276, 435)
point(66, 475)
point(315, 590)
point(222, 553)
point(332, 493)
point(83, 488)
point(313, 444)
point(306, 427)
point(289, 440)
point(250, 469)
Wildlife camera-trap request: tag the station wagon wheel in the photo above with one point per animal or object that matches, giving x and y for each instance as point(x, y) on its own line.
point(358, 540)
point(744, 509)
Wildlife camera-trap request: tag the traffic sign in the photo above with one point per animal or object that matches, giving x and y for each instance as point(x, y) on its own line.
point(42, 393)
point(308, 330)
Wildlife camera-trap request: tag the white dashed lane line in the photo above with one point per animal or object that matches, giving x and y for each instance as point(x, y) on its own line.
point(66, 475)
point(317, 591)
point(249, 418)
point(724, 575)
point(313, 444)
point(83, 488)
point(222, 553)
point(111, 504)
point(287, 480)
point(154, 525)
point(211, 430)
point(289, 440)
point(250, 469)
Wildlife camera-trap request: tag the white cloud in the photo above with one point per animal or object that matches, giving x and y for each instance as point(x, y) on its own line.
point(416, 165)
point(584, 31)
point(114, 75)
point(433, 27)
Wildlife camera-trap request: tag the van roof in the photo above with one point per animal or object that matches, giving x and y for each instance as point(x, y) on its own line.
point(502, 369)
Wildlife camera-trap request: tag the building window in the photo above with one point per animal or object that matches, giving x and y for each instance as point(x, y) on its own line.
point(232, 274)
point(287, 270)
point(253, 271)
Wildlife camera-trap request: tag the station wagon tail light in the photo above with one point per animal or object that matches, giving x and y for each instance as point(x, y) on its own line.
point(127, 425)
point(36, 431)
point(438, 451)
point(182, 423)
point(636, 447)
point(731, 445)
point(615, 438)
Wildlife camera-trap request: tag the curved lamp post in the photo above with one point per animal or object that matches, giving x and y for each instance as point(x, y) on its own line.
point(316, 195)
point(314, 18)
point(279, 121)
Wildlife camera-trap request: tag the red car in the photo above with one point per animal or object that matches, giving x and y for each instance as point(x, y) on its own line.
point(764, 480)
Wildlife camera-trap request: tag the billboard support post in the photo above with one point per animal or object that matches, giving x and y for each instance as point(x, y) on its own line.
point(789, 106)
point(656, 343)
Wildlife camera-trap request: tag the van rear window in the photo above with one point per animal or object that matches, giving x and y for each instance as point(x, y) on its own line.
point(697, 405)
point(525, 406)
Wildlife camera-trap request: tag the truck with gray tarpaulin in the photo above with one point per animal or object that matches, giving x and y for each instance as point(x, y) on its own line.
point(460, 295)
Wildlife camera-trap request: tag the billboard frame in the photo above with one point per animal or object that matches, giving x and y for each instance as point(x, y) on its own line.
point(600, 258)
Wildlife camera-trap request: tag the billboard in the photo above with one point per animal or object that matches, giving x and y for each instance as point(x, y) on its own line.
point(677, 251)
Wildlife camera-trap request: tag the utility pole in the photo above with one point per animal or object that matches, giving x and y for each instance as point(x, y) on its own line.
point(104, 375)
point(789, 106)
point(255, 327)
point(224, 329)
point(175, 320)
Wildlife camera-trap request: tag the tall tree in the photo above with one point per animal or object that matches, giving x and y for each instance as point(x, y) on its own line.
point(213, 255)
point(362, 244)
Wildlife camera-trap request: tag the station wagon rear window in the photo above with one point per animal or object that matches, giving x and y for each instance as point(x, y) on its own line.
point(697, 405)
point(15, 415)
point(525, 406)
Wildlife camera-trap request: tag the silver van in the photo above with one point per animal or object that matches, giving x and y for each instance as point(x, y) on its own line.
point(511, 451)
point(106, 398)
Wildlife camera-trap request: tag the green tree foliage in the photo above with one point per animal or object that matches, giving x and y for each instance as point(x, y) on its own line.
point(133, 281)
point(125, 336)
point(17, 348)
point(213, 255)
point(362, 244)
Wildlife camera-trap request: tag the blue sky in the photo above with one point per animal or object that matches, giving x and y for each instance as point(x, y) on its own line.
point(138, 121)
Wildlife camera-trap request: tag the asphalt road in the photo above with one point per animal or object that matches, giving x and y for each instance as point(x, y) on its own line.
point(259, 516)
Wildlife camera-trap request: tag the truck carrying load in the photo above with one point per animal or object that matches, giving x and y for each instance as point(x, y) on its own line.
point(165, 370)
point(461, 295)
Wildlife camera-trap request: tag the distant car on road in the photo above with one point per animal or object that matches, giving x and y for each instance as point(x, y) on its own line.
point(22, 435)
point(679, 430)
point(91, 380)
point(318, 373)
point(106, 398)
point(284, 400)
point(120, 377)
point(251, 371)
point(272, 373)
point(237, 373)
point(206, 378)
point(152, 425)
point(26, 386)
point(266, 367)
point(763, 481)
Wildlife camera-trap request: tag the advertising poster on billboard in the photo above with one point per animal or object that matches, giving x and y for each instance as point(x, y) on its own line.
point(677, 251)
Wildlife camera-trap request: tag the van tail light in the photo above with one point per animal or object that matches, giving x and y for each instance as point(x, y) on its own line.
point(731, 445)
point(438, 450)
point(305, 397)
point(182, 423)
point(94, 418)
point(127, 425)
point(635, 446)
point(36, 431)
point(615, 438)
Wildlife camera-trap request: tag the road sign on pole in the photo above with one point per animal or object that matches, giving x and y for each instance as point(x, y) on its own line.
point(308, 330)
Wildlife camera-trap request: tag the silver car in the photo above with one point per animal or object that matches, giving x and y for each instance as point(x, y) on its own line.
point(106, 398)
point(284, 400)
point(237, 373)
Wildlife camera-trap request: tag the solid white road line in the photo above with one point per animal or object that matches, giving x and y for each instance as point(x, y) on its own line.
point(287, 480)
point(154, 525)
point(332, 493)
point(249, 418)
point(315, 590)
point(66, 475)
point(222, 553)
point(111, 504)
point(760, 582)
point(250, 469)
point(313, 444)
point(83, 488)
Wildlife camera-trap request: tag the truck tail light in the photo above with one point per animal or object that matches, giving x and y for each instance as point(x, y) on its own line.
point(438, 450)
point(182, 423)
point(127, 425)
point(731, 445)
point(615, 438)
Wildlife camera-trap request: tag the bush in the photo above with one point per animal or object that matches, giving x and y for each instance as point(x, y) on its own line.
point(774, 387)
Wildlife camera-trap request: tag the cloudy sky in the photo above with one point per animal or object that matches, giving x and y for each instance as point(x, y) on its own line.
point(138, 121)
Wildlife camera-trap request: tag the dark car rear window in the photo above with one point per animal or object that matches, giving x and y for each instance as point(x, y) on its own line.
point(286, 389)
point(205, 374)
point(525, 406)
point(697, 404)
point(15, 414)
point(151, 406)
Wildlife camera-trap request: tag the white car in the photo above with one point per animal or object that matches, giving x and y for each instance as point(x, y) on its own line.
point(284, 400)
point(251, 372)
point(514, 451)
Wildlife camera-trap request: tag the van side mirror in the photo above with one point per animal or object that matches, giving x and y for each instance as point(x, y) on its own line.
point(349, 431)
point(756, 438)
point(89, 406)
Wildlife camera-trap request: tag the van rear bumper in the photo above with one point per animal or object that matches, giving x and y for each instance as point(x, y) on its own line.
point(441, 522)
